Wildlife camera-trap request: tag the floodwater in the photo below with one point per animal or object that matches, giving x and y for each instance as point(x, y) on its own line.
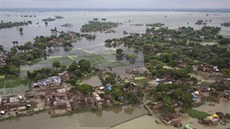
point(87, 120)
point(222, 106)
point(148, 122)
point(107, 118)
point(93, 81)
point(78, 18)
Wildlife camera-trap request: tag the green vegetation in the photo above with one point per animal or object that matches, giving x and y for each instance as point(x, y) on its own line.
point(56, 64)
point(86, 89)
point(196, 114)
point(174, 91)
point(12, 81)
point(224, 41)
point(155, 25)
point(119, 51)
point(80, 69)
point(170, 47)
point(108, 78)
point(41, 74)
point(48, 19)
point(95, 25)
point(227, 24)
point(31, 53)
point(13, 24)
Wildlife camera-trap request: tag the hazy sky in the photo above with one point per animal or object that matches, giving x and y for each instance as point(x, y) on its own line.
point(115, 4)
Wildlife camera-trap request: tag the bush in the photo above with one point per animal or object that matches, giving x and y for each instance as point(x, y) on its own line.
point(196, 114)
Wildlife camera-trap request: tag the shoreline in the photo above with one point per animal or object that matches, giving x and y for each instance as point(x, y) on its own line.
point(128, 120)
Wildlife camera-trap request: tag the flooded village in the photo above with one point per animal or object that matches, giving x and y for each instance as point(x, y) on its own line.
point(54, 96)
point(114, 69)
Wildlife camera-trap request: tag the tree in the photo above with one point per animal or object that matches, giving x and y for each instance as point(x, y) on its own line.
point(21, 30)
point(85, 66)
point(56, 64)
point(116, 92)
point(29, 57)
point(14, 70)
point(187, 99)
point(110, 80)
point(85, 88)
point(168, 105)
point(119, 51)
point(73, 67)
point(224, 41)
point(131, 98)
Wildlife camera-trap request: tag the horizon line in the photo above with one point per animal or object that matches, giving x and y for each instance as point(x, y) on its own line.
point(116, 9)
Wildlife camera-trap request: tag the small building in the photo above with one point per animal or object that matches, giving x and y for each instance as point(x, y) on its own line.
point(157, 106)
point(171, 118)
point(55, 80)
point(227, 93)
point(61, 92)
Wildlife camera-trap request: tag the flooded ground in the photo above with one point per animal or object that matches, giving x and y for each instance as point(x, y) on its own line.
point(222, 106)
point(78, 18)
point(87, 120)
point(107, 118)
point(148, 122)
point(93, 81)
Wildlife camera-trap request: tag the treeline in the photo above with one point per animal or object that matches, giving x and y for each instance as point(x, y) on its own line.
point(95, 25)
point(13, 24)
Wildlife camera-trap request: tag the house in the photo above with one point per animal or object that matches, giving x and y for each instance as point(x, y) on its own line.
point(227, 94)
point(210, 120)
point(55, 80)
point(14, 103)
point(106, 99)
point(171, 118)
point(157, 106)
point(61, 92)
point(65, 76)
point(97, 99)
point(68, 106)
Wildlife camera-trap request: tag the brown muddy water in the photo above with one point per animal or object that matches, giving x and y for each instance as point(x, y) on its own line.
point(148, 122)
point(93, 81)
point(87, 120)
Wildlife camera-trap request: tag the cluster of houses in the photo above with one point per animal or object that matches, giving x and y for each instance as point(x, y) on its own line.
point(3, 58)
point(100, 97)
point(15, 105)
point(60, 99)
point(56, 100)
point(215, 119)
